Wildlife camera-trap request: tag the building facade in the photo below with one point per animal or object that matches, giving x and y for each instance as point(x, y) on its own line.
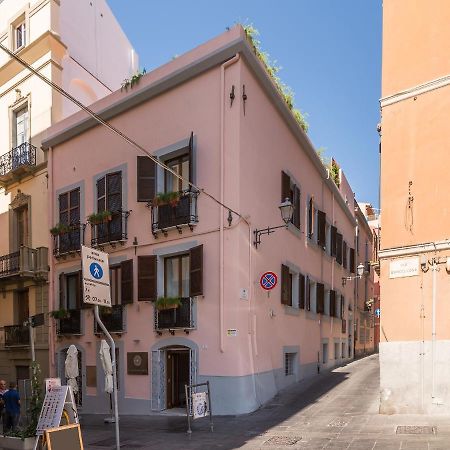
point(213, 116)
point(54, 37)
point(415, 246)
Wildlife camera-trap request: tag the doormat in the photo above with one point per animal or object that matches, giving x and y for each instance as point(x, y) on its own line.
point(283, 440)
point(415, 429)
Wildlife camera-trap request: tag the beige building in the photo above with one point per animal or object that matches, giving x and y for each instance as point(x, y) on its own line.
point(415, 245)
point(80, 46)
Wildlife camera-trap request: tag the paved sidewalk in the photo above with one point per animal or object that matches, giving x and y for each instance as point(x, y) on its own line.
point(337, 410)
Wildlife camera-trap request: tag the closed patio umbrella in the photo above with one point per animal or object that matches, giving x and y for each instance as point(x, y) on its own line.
point(71, 368)
point(105, 357)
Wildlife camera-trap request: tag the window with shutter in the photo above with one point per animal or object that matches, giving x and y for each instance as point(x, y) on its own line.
point(296, 203)
point(301, 291)
point(147, 278)
point(320, 292)
point(196, 271)
point(286, 284)
point(146, 179)
point(344, 254)
point(352, 260)
point(321, 228)
point(342, 306)
point(311, 218)
point(333, 240)
point(126, 281)
point(308, 294)
point(333, 303)
point(290, 191)
point(339, 248)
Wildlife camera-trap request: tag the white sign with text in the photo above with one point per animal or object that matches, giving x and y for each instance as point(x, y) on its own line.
point(405, 267)
point(96, 290)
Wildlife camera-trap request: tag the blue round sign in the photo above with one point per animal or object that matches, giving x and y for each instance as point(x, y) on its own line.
point(96, 270)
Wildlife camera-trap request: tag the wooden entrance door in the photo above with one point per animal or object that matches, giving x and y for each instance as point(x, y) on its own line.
point(177, 376)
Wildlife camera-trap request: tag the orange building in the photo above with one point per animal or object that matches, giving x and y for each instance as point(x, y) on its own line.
point(415, 244)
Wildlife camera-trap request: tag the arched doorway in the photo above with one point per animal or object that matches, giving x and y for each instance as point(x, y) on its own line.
point(174, 364)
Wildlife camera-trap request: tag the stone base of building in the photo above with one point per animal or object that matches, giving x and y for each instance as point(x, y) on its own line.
point(407, 372)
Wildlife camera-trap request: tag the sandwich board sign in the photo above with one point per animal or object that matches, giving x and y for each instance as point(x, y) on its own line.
point(95, 265)
point(58, 401)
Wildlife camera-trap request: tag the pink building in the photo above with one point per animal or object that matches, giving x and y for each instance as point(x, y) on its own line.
point(214, 116)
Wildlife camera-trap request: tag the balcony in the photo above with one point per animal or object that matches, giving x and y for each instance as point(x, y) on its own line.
point(183, 214)
point(173, 319)
point(71, 324)
point(16, 335)
point(18, 162)
point(110, 232)
point(26, 263)
point(112, 318)
point(70, 242)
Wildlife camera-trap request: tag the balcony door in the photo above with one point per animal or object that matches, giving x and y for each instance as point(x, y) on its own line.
point(21, 226)
point(23, 311)
point(109, 198)
point(177, 376)
point(181, 166)
point(20, 154)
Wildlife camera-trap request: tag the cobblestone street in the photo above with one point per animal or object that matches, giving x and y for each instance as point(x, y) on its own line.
point(337, 410)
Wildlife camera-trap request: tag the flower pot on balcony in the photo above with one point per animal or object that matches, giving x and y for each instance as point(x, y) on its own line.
point(59, 229)
point(100, 217)
point(166, 198)
point(60, 314)
point(165, 303)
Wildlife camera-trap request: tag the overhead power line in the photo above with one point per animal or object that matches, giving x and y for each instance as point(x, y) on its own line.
point(115, 130)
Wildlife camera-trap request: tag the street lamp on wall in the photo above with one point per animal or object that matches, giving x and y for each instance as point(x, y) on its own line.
point(286, 210)
point(359, 274)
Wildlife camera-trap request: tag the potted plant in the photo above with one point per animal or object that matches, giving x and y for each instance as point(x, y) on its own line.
point(164, 303)
point(59, 228)
point(171, 198)
point(100, 217)
point(24, 438)
point(60, 314)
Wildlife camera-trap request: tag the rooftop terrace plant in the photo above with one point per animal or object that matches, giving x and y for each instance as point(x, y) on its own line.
point(272, 69)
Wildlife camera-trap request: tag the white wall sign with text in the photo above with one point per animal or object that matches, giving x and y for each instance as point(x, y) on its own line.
point(404, 267)
point(95, 265)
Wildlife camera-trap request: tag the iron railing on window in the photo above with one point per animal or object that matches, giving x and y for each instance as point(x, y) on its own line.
point(181, 317)
point(110, 231)
point(21, 156)
point(182, 213)
point(71, 324)
point(112, 318)
point(70, 241)
point(16, 335)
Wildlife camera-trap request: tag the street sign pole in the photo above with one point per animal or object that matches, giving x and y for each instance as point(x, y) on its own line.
point(113, 361)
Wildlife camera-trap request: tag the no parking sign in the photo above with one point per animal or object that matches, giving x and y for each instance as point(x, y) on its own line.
point(268, 280)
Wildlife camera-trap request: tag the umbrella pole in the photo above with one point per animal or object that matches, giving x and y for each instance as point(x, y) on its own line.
point(113, 360)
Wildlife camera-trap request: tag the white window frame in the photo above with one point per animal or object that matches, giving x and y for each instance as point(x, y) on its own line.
point(22, 27)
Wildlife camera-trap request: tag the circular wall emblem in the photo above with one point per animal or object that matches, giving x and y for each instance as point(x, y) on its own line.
point(268, 280)
point(137, 360)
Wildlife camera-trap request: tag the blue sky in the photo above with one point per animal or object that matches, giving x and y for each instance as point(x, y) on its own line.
point(329, 51)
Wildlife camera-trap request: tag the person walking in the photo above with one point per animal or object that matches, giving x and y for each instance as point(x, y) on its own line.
point(11, 399)
point(3, 390)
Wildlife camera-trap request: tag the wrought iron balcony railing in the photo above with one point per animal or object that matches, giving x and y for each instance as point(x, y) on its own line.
point(27, 262)
point(69, 242)
point(71, 324)
point(18, 161)
point(179, 318)
point(111, 231)
point(112, 318)
point(184, 213)
point(16, 335)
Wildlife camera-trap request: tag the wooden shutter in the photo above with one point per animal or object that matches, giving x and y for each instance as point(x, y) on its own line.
point(296, 203)
point(101, 194)
point(285, 279)
point(352, 260)
point(114, 191)
point(342, 306)
point(333, 303)
point(311, 218)
point(126, 281)
point(320, 307)
point(333, 240)
point(301, 291)
point(285, 186)
point(146, 179)
point(321, 232)
point(147, 278)
point(339, 248)
point(344, 254)
point(62, 285)
point(308, 294)
point(196, 271)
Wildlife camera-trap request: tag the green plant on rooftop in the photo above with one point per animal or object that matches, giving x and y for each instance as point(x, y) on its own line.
point(130, 82)
point(272, 69)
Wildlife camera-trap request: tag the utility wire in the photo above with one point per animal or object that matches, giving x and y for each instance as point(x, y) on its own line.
point(112, 128)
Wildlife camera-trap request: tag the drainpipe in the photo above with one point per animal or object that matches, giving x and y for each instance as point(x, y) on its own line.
point(433, 333)
point(221, 209)
point(51, 337)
